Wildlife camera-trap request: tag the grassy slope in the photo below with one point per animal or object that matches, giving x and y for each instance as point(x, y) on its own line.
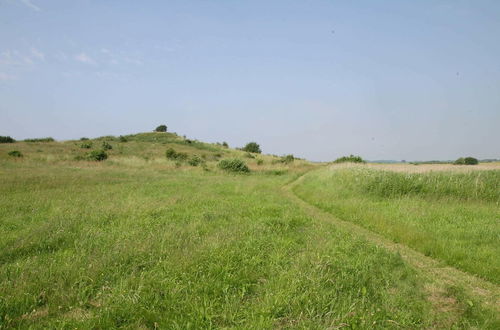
point(449, 216)
point(137, 242)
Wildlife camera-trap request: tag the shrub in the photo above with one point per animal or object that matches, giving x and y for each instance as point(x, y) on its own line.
point(260, 161)
point(182, 156)
point(6, 139)
point(225, 145)
point(106, 146)
point(84, 139)
point(47, 139)
point(287, 159)
point(161, 128)
point(121, 138)
point(276, 172)
point(249, 155)
point(173, 155)
point(466, 161)
point(233, 165)
point(86, 145)
point(195, 160)
point(349, 159)
point(170, 153)
point(15, 153)
point(97, 155)
point(252, 147)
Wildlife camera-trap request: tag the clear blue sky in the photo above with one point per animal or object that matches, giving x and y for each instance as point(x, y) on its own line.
point(319, 79)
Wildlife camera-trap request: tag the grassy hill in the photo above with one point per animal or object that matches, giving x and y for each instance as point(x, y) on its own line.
point(143, 241)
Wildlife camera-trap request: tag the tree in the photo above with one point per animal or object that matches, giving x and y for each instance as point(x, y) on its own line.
point(6, 139)
point(466, 161)
point(470, 161)
point(252, 147)
point(161, 128)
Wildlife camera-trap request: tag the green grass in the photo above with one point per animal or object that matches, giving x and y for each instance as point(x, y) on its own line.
point(449, 216)
point(132, 242)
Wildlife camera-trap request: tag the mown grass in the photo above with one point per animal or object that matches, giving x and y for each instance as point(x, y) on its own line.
point(449, 216)
point(140, 243)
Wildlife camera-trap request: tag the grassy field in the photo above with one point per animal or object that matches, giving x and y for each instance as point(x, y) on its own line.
point(447, 214)
point(139, 241)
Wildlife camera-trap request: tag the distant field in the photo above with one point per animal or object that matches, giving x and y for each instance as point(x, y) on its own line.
point(139, 241)
point(422, 168)
point(447, 212)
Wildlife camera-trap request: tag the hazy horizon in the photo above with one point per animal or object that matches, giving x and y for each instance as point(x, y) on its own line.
point(317, 79)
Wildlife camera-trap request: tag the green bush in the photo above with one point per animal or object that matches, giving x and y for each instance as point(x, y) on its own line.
point(47, 139)
point(182, 156)
point(466, 161)
point(6, 139)
point(225, 145)
point(121, 138)
point(161, 128)
point(233, 165)
point(349, 159)
point(84, 139)
point(249, 155)
point(173, 155)
point(252, 147)
point(287, 159)
point(260, 161)
point(195, 160)
point(86, 145)
point(15, 153)
point(106, 146)
point(97, 155)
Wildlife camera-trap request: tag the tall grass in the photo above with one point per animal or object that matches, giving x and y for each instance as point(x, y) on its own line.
point(473, 185)
point(449, 216)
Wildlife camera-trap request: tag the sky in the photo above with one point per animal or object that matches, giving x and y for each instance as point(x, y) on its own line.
point(412, 80)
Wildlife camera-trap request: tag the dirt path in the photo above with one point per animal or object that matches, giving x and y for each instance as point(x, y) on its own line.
point(438, 275)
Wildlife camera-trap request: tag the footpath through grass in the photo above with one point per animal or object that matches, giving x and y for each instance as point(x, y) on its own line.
point(449, 216)
point(108, 246)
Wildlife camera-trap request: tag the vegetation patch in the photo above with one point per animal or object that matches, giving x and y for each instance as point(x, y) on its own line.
point(106, 146)
point(174, 155)
point(6, 139)
point(287, 159)
point(252, 147)
point(233, 165)
point(195, 160)
point(349, 159)
point(466, 161)
point(47, 139)
point(94, 155)
point(15, 153)
point(449, 216)
point(86, 145)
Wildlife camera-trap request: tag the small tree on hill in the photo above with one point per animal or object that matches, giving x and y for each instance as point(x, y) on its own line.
point(161, 128)
point(252, 147)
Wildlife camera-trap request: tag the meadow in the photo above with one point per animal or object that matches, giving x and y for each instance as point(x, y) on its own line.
point(449, 214)
point(142, 241)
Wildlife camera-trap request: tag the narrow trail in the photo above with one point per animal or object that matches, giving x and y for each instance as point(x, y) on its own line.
point(439, 275)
